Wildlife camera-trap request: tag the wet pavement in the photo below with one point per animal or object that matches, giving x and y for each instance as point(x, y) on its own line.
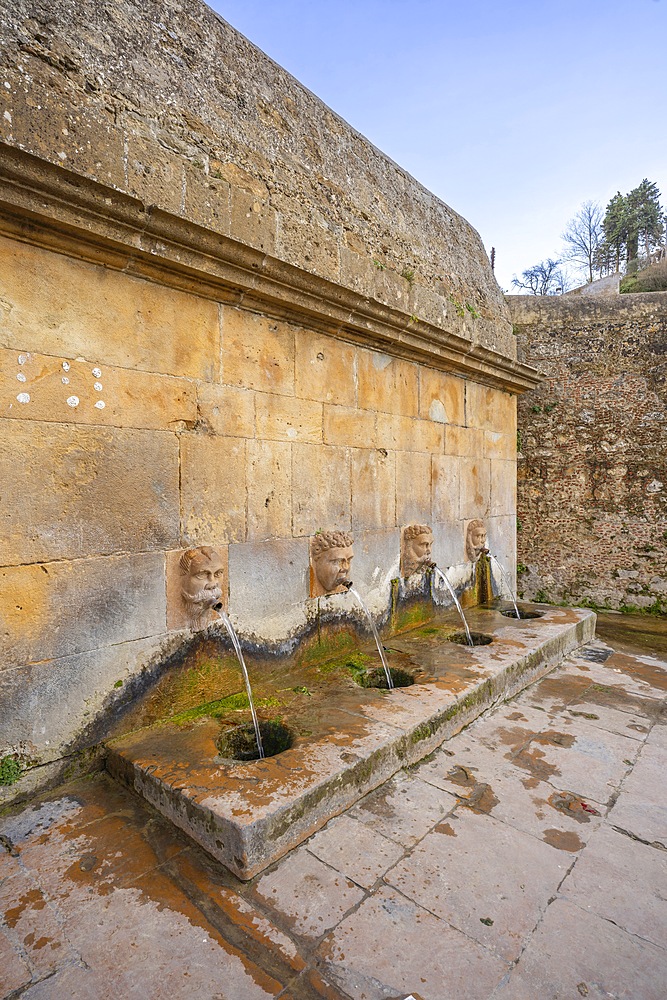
point(526, 858)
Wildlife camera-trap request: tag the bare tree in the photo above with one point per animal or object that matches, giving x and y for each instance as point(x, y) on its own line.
point(545, 278)
point(583, 236)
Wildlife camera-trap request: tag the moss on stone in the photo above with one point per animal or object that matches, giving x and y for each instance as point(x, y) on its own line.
point(10, 769)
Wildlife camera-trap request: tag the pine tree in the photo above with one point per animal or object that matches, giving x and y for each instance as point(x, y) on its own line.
point(647, 215)
point(615, 226)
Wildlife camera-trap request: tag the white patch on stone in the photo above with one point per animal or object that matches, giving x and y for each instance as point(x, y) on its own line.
point(436, 411)
point(381, 361)
point(21, 377)
point(97, 373)
point(655, 486)
point(65, 380)
point(66, 366)
point(72, 401)
point(22, 358)
point(23, 397)
point(98, 386)
point(291, 433)
point(100, 404)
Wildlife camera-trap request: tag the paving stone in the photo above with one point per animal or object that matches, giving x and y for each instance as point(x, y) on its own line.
point(578, 954)
point(391, 947)
point(589, 762)
point(658, 736)
point(354, 850)
point(30, 921)
point(614, 720)
point(310, 894)
point(14, 971)
point(490, 881)
point(645, 820)
point(404, 809)
point(623, 881)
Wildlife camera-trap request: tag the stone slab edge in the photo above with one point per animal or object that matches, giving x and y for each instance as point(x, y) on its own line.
point(247, 849)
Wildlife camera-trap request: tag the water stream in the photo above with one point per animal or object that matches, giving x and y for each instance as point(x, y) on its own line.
point(507, 584)
point(239, 655)
point(390, 683)
point(438, 572)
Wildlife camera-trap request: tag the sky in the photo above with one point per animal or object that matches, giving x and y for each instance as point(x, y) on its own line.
point(513, 112)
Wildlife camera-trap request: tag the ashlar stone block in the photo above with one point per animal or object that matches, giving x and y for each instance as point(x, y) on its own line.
point(347, 426)
point(441, 397)
point(475, 487)
point(321, 489)
point(373, 480)
point(387, 384)
point(445, 479)
point(55, 305)
point(60, 608)
point(490, 409)
point(269, 478)
point(73, 491)
point(503, 487)
point(325, 369)
point(257, 352)
point(213, 489)
point(227, 411)
point(287, 418)
point(413, 487)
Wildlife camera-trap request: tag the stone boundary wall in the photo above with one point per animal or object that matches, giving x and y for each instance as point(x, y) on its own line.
point(592, 463)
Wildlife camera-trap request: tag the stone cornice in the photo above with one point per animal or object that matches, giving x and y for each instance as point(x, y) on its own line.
point(51, 207)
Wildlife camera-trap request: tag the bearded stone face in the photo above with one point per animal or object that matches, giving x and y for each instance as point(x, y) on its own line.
point(201, 584)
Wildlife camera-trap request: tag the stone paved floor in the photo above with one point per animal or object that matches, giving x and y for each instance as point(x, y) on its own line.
point(526, 859)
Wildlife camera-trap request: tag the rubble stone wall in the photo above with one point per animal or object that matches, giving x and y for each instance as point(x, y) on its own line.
point(592, 463)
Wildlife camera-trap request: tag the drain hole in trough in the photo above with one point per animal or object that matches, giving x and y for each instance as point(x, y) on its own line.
point(377, 678)
point(523, 614)
point(478, 638)
point(240, 743)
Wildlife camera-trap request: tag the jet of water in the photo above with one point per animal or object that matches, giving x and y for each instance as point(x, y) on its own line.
point(438, 572)
point(390, 683)
point(507, 584)
point(239, 655)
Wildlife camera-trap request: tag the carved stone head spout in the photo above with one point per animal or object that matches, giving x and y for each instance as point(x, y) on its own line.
point(202, 574)
point(330, 560)
point(475, 539)
point(416, 547)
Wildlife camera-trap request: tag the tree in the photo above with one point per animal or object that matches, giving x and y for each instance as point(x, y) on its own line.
point(545, 278)
point(615, 228)
point(583, 236)
point(644, 202)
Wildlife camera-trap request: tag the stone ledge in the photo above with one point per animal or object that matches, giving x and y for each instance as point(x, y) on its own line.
point(51, 207)
point(249, 815)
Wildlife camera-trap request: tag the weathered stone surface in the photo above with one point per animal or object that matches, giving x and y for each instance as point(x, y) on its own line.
point(120, 320)
point(441, 397)
point(270, 580)
point(468, 442)
point(213, 490)
point(310, 894)
point(347, 426)
point(378, 952)
point(49, 707)
point(503, 487)
point(350, 847)
point(592, 466)
point(61, 608)
point(490, 409)
point(325, 369)
point(321, 489)
point(81, 491)
point(65, 390)
point(373, 485)
point(445, 479)
point(228, 412)
point(404, 809)
point(258, 353)
point(574, 953)
point(269, 476)
point(387, 384)
point(513, 884)
point(623, 881)
point(286, 418)
point(475, 487)
point(413, 487)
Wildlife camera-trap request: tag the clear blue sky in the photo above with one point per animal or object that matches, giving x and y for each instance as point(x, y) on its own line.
point(512, 112)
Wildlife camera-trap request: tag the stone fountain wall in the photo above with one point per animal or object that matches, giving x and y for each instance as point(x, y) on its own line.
point(226, 319)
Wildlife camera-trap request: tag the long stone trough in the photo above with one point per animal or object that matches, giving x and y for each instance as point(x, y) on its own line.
point(247, 815)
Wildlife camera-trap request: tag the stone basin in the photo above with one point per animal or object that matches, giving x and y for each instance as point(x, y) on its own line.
point(348, 739)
